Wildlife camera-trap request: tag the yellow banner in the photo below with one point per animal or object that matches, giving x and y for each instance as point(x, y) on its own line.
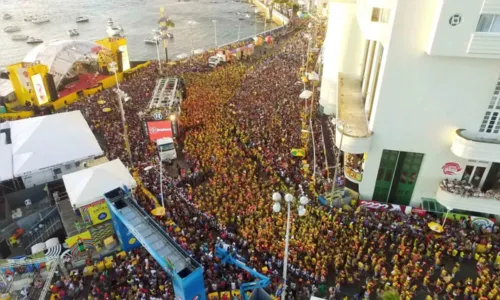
point(99, 212)
point(298, 152)
point(79, 238)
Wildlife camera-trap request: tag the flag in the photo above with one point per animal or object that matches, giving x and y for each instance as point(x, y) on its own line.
point(298, 152)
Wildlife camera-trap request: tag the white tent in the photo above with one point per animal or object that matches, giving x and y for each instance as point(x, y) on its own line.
point(60, 55)
point(89, 185)
point(44, 142)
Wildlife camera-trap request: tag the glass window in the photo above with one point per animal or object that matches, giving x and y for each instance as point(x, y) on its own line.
point(166, 147)
point(388, 175)
point(485, 22)
point(380, 174)
point(478, 175)
point(496, 24)
point(57, 171)
point(467, 173)
point(376, 14)
point(404, 176)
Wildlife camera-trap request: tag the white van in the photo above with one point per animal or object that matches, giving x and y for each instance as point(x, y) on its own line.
point(166, 149)
point(214, 61)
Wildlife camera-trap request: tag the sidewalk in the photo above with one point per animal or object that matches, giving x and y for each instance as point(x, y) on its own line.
point(328, 136)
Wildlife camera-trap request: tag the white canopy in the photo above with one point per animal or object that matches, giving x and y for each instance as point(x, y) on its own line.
point(60, 55)
point(48, 141)
point(89, 185)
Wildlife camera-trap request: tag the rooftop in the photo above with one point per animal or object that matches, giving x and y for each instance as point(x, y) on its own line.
point(48, 141)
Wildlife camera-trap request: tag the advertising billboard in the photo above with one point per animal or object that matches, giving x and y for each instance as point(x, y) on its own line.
point(125, 60)
point(159, 129)
point(96, 212)
point(39, 86)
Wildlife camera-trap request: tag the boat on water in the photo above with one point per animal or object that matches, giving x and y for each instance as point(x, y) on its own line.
point(73, 32)
point(7, 16)
point(33, 40)
point(158, 32)
point(113, 30)
point(40, 20)
point(152, 41)
point(19, 37)
point(10, 29)
point(82, 19)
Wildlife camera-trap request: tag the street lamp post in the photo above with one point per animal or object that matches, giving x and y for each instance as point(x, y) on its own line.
point(255, 21)
point(158, 39)
point(114, 68)
point(239, 28)
point(342, 127)
point(301, 211)
point(161, 183)
point(215, 29)
point(191, 23)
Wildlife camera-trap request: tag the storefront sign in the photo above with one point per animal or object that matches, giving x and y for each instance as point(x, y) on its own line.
point(451, 168)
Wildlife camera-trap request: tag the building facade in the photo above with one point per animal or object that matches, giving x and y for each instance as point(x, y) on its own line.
point(415, 89)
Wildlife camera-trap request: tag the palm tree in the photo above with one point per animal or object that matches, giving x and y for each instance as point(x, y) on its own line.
point(390, 295)
point(165, 23)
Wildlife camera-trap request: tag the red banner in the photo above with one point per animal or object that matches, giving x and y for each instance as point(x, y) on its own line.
point(159, 129)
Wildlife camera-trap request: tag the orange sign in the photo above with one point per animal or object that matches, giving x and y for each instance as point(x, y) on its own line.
point(159, 129)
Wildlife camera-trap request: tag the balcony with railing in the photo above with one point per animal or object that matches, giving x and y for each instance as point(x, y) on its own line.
point(455, 194)
point(476, 146)
point(352, 132)
point(353, 167)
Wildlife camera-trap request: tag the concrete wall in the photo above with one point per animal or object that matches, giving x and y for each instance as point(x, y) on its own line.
point(421, 100)
point(448, 40)
point(343, 51)
point(48, 175)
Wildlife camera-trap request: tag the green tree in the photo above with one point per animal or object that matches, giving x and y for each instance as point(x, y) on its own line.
point(390, 295)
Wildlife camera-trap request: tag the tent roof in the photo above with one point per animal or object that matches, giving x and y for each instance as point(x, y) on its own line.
point(89, 185)
point(60, 55)
point(5, 158)
point(43, 142)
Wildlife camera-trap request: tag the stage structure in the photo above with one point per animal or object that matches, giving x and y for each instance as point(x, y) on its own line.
point(164, 108)
point(62, 68)
point(31, 82)
point(134, 227)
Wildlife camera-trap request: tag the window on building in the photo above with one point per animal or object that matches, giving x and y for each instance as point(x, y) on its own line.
point(67, 167)
point(57, 171)
point(380, 15)
point(488, 23)
point(491, 119)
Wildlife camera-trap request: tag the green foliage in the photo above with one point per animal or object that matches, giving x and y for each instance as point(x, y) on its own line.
point(390, 295)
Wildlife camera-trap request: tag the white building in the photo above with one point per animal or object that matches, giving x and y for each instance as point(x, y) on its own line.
point(43, 149)
point(415, 88)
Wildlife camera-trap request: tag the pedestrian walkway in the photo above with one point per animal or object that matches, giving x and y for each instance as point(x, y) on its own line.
point(328, 138)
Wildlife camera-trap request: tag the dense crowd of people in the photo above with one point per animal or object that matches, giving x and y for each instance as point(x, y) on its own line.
point(238, 125)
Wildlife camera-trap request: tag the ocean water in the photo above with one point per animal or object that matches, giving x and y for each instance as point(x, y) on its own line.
point(137, 17)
